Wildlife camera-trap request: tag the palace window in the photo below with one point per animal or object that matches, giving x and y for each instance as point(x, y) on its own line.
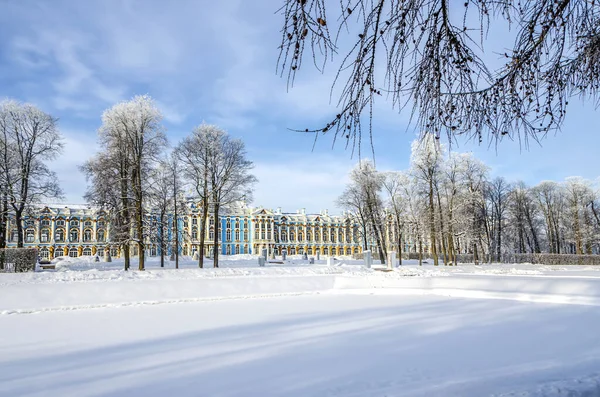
point(194, 233)
point(292, 236)
point(87, 223)
point(74, 223)
point(45, 235)
point(100, 223)
point(29, 223)
point(45, 222)
point(228, 235)
point(194, 221)
point(284, 237)
point(228, 224)
point(348, 251)
point(211, 234)
point(58, 252)
point(100, 235)
point(73, 236)
point(87, 235)
point(59, 235)
point(87, 251)
point(228, 249)
point(60, 222)
point(29, 236)
point(73, 253)
point(262, 235)
point(45, 253)
point(211, 221)
point(237, 235)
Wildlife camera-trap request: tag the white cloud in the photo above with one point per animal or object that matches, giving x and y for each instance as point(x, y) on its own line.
point(312, 181)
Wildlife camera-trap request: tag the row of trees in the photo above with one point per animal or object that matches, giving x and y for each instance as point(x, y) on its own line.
point(140, 181)
point(447, 204)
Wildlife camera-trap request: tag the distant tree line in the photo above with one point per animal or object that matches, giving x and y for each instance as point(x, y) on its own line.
point(447, 204)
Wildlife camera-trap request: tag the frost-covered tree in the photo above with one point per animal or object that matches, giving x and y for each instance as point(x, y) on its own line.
point(363, 197)
point(428, 58)
point(216, 167)
point(427, 157)
point(132, 134)
point(29, 138)
point(195, 153)
point(497, 193)
point(230, 180)
point(394, 184)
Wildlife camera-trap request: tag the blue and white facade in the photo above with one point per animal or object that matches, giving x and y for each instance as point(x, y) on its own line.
point(80, 230)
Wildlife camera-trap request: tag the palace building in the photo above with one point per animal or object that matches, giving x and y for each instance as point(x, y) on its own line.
point(81, 230)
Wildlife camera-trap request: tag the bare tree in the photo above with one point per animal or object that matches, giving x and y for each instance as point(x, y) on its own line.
point(230, 179)
point(429, 55)
point(29, 138)
point(497, 193)
point(196, 153)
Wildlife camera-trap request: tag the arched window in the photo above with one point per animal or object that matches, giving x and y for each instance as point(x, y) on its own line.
point(60, 222)
point(256, 234)
point(284, 237)
point(332, 235)
point(237, 249)
point(59, 235)
point(73, 253)
point(194, 233)
point(100, 223)
point(317, 236)
point(211, 221)
point(58, 252)
point(228, 249)
point(44, 235)
point(87, 223)
point(228, 235)
point(348, 251)
point(246, 224)
point(237, 235)
point(45, 222)
point(45, 253)
point(262, 235)
point(333, 251)
point(300, 236)
point(228, 224)
point(87, 251)
point(73, 236)
point(74, 223)
point(29, 235)
point(211, 234)
point(87, 235)
point(194, 221)
point(100, 235)
point(355, 251)
point(310, 251)
point(325, 239)
point(292, 236)
point(325, 251)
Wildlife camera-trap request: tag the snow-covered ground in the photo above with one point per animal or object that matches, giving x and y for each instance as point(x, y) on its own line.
point(294, 329)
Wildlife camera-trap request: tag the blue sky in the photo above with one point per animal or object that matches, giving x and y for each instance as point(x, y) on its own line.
point(214, 61)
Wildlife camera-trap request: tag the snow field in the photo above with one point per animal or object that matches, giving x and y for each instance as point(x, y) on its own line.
point(300, 330)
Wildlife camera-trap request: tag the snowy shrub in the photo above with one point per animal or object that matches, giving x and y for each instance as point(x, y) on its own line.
point(553, 259)
point(18, 259)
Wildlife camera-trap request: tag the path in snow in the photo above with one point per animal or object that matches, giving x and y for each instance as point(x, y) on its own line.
point(311, 345)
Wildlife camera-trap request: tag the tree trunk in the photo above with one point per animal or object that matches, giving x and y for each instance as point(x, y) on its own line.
point(4, 221)
point(444, 251)
point(19, 223)
point(162, 238)
point(420, 252)
point(216, 239)
point(432, 224)
point(203, 220)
